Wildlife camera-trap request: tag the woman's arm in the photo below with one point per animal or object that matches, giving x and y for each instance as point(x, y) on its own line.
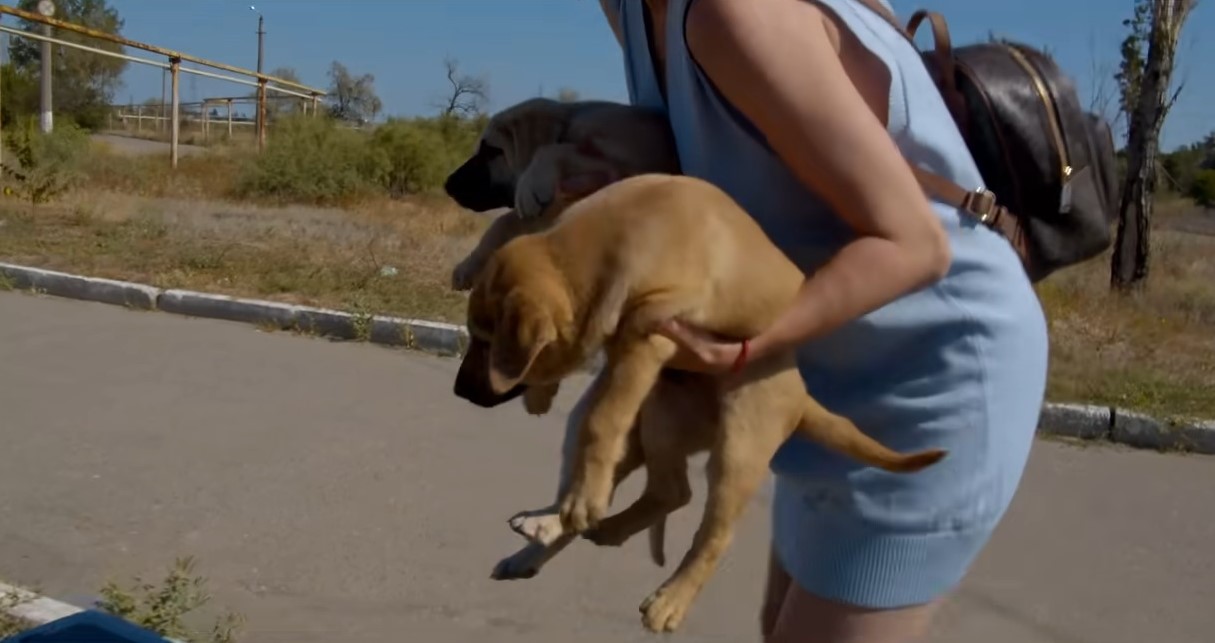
point(778, 62)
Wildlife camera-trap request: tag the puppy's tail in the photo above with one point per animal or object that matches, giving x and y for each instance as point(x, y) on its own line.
point(840, 434)
point(658, 536)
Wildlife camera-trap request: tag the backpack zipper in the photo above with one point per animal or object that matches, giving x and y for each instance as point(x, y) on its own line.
point(1056, 130)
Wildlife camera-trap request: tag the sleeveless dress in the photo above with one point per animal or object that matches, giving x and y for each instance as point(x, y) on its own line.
point(959, 365)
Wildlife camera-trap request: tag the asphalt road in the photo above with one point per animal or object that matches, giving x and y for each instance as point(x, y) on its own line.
point(339, 492)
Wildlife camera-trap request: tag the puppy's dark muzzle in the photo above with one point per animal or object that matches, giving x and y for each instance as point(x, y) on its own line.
point(471, 185)
point(472, 380)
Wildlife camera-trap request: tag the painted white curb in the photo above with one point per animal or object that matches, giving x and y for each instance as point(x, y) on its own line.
point(1081, 421)
point(62, 284)
point(37, 610)
point(33, 608)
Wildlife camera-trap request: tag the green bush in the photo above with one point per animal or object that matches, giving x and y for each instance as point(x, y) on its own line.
point(38, 167)
point(310, 160)
point(1202, 190)
point(410, 156)
point(317, 160)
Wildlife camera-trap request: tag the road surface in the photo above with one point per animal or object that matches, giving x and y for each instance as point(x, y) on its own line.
point(338, 491)
point(133, 146)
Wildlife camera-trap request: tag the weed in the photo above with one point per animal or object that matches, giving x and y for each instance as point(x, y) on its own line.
point(10, 625)
point(361, 320)
point(47, 165)
point(163, 608)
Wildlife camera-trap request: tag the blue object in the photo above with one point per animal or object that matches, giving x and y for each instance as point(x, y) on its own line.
point(90, 626)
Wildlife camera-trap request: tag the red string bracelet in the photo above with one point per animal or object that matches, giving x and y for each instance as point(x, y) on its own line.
point(741, 360)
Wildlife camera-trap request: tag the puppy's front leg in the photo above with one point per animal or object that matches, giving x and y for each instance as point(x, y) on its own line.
point(631, 372)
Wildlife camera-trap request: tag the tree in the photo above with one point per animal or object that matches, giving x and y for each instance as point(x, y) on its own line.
point(468, 94)
point(1130, 71)
point(83, 82)
point(352, 98)
point(1103, 88)
point(1146, 79)
point(567, 95)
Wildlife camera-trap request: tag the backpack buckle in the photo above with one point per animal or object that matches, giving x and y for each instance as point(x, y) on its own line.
point(981, 202)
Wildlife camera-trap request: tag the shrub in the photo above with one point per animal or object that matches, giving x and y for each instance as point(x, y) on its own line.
point(411, 156)
point(1203, 188)
point(42, 166)
point(310, 160)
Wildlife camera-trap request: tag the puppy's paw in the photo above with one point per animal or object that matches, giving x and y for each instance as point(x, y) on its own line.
point(665, 609)
point(521, 565)
point(582, 510)
point(540, 527)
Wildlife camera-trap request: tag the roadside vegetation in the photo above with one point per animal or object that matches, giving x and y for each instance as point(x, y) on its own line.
point(176, 607)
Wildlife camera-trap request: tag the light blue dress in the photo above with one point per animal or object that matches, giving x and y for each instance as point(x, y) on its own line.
point(959, 365)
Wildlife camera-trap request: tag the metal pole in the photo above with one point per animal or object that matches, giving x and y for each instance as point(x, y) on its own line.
point(229, 120)
point(174, 128)
point(47, 121)
point(261, 85)
point(163, 103)
point(206, 123)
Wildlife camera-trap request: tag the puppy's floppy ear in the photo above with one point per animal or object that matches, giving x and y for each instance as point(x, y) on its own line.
point(520, 333)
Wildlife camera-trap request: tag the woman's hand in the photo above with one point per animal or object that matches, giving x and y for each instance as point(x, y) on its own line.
point(699, 350)
point(703, 352)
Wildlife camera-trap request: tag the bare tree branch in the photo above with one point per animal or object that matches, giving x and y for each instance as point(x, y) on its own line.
point(468, 94)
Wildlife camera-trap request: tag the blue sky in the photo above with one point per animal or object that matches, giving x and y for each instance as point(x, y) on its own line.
point(525, 46)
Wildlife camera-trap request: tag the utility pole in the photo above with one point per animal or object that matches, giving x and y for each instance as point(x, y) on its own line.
point(46, 8)
point(261, 83)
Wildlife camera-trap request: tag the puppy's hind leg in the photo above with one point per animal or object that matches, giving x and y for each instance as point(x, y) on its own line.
point(737, 466)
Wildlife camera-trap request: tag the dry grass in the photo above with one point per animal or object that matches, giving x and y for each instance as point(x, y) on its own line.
point(136, 220)
point(10, 625)
point(384, 256)
point(1154, 350)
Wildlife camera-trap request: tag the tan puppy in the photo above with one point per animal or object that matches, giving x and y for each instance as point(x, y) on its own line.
point(596, 143)
point(619, 261)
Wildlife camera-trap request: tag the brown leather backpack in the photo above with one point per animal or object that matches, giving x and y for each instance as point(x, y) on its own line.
point(1048, 164)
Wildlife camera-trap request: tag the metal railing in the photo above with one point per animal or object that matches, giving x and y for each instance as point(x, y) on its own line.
point(174, 60)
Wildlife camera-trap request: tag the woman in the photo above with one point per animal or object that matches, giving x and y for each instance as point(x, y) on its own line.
point(914, 321)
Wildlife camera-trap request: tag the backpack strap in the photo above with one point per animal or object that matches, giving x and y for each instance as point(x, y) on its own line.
point(980, 202)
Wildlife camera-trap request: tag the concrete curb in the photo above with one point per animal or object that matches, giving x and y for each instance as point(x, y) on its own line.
point(1080, 421)
point(62, 284)
point(430, 336)
point(34, 608)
